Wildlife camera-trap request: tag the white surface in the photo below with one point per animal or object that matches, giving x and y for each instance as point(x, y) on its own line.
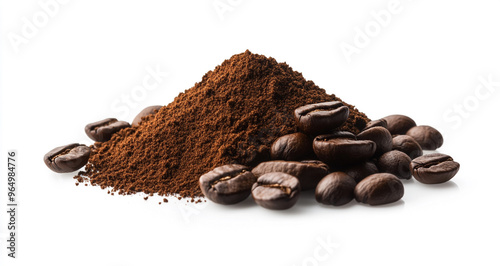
point(75, 70)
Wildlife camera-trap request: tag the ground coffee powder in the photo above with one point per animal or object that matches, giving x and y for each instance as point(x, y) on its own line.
point(232, 116)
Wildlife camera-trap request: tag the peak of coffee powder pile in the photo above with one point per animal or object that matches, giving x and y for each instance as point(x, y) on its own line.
point(232, 116)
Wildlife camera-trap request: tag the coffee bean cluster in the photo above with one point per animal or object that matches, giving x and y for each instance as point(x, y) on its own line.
point(339, 165)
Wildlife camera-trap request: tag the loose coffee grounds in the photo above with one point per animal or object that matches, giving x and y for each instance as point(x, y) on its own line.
point(232, 116)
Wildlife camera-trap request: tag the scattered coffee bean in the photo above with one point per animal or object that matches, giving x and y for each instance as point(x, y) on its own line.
point(407, 145)
point(381, 136)
point(103, 130)
point(427, 137)
point(67, 158)
point(434, 168)
point(320, 118)
point(342, 148)
point(335, 189)
point(309, 173)
point(145, 112)
point(379, 189)
point(399, 124)
point(276, 191)
point(361, 170)
point(227, 184)
point(291, 147)
point(376, 123)
point(396, 163)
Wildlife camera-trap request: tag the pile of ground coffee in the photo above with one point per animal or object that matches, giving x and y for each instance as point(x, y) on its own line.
point(232, 116)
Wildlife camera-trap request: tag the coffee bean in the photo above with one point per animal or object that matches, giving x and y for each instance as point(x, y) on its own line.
point(309, 173)
point(379, 189)
point(407, 145)
point(399, 124)
point(335, 189)
point(103, 130)
point(376, 123)
point(361, 170)
point(342, 148)
point(396, 163)
point(434, 168)
point(381, 136)
point(320, 118)
point(145, 112)
point(428, 137)
point(227, 184)
point(292, 147)
point(67, 158)
point(276, 191)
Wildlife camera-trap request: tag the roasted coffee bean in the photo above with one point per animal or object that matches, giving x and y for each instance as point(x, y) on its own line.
point(67, 158)
point(396, 163)
point(407, 145)
point(376, 123)
point(145, 112)
point(227, 184)
point(292, 147)
point(399, 124)
point(276, 191)
point(309, 173)
point(427, 137)
point(320, 118)
point(342, 148)
point(103, 130)
point(335, 189)
point(361, 170)
point(381, 136)
point(434, 168)
point(379, 189)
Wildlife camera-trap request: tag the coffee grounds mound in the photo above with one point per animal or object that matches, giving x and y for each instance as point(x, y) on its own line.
point(232, 116)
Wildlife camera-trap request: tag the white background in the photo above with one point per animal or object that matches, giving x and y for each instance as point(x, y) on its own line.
point(85, 57)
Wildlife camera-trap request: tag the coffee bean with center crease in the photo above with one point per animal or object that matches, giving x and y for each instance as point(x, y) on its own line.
point(145, 112)
point(291, 147)
point(434, 168)
point(399, 124)
point(407, 145)
point(67, 158)
point(376, 123)
point(379, 189)
point(227, 184)
point(427, 137)
point(276, 191)
point(335, 189)
point(103, 130)
point(309, 173)
point(320, 118)
point(381, 136)
point(396, 163)
point(342, 148)
point(361, 170)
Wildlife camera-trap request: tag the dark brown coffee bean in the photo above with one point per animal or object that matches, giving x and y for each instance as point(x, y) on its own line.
point(227, 184)
point(381, 136)
point(103, 130)
point(145, 112)
point(309, 173)
point(407, 145)
point(361, 170)
point(434, 168)
point(399, 124)
point(276, 191)
point(427, 137)
point(67, 158)
point(320, 118)
point(376, 123)
point(379, 189)
point(396, 163)
point(335, 189)
point(342, 148)
point(292, 147)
